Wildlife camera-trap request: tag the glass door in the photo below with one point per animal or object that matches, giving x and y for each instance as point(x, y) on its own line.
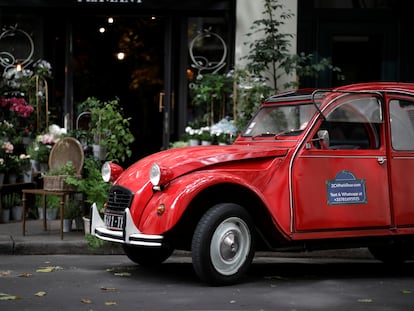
point(123, 57)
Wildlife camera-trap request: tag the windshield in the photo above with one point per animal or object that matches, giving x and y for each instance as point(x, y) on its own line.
point(274, 120)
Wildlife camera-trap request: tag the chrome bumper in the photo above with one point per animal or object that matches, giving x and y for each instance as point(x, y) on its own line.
point(130, 235)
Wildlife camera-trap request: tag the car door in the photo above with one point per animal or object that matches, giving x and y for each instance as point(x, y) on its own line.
point(401, 121)
point(341, 183)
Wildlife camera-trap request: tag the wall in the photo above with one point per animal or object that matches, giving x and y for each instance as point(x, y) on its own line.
point(247, 12)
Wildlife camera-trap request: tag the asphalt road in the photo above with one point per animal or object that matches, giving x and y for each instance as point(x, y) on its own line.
point(112, 282)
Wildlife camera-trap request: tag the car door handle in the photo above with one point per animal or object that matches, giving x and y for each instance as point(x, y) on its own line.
point(381, 160)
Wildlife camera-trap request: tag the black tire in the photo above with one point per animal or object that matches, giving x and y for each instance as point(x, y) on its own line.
point(223, 244)
point(147, 256)
point(392, 254)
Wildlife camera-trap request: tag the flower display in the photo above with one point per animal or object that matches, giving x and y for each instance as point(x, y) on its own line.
point(24, 115)
point(40, 149)
point(6, 129)
point(17, 105)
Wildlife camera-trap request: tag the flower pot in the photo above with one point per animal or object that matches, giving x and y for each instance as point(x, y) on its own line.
point(40, 212)
point(87, 225)
point(12, 178)
point(205, 143)
point(16, 212)
point(2, 178)
point(27, 176)
point(99, 152)
point(35, 165)
point(67, 225)
point(193, 142)
point(5, 215)
point(51, 213)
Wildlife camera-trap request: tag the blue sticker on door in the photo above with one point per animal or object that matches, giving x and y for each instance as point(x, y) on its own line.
point(346, 189)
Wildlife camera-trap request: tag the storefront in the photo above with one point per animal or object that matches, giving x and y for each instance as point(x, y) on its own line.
point(146, 53)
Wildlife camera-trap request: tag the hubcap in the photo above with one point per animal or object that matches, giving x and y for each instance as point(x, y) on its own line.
point(230, 245)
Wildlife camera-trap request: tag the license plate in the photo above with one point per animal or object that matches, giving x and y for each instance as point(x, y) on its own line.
point(114, 221)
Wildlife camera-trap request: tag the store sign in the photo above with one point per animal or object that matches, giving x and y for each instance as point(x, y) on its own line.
point(346, 189)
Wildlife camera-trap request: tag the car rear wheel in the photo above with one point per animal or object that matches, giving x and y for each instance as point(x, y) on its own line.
point(147, 256)
point(223, 244)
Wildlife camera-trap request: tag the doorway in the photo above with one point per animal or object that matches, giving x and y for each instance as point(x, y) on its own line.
point(123, 57)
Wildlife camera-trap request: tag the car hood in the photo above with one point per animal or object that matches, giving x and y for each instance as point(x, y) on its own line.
point(183, 160)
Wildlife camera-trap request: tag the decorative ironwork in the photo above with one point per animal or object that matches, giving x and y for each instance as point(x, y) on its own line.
point(203, 62)
point(8, 58)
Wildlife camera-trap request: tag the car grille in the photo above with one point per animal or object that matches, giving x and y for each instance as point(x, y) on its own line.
point(119, 198)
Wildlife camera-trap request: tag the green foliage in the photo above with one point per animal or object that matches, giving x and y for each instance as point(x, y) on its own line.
point(72, 209)
point(93, 242)
point(178, 144)
point(211, 95)
point(52, 201)
point(109, 128)
point(67, 169)
point(250, 92)
point(269, 55)
point(9, 200)
point(92, 184)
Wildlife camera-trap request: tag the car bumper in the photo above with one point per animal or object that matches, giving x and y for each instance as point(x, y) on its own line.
point(129, 235)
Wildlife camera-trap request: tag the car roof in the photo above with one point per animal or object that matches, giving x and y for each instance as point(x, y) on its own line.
point(309, 94)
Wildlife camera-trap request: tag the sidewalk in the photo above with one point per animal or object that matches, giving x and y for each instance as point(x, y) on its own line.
point(40, 242)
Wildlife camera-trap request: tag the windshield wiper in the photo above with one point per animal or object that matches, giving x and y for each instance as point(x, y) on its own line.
point(288, 133)
point(275, 136)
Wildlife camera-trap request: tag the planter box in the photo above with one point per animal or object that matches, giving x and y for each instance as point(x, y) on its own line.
point(57, 183)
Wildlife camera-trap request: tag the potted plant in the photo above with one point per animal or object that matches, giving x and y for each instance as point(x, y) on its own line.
point(109, 129)
point(205, 136)
point(95, 190)
point(71, 210)
point(52, 207)
point(16, 206)
point(91, 183)
point(6, 205)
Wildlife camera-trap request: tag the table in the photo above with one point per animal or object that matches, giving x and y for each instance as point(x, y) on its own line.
point(61, 193)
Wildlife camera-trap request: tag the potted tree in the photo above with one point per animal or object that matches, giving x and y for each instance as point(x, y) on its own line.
point(109, 129)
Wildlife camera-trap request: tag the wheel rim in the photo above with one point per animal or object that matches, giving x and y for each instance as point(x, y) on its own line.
point(230, 246)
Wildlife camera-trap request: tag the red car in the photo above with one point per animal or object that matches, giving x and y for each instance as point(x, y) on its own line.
point(312, 170)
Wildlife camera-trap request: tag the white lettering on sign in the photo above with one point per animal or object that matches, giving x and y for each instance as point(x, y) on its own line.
point(346, 189)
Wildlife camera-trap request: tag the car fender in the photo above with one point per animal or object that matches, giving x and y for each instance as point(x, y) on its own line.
point(178, 195)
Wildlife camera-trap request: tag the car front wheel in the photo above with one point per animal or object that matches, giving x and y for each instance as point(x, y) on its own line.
point(223, 244)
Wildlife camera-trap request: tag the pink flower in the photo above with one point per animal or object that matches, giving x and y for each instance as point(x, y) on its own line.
point(20, 106)
point(48, 139)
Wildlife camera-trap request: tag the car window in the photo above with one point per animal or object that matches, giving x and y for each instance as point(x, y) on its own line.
point(272, 120)
point(402, 124)
point(354, 124)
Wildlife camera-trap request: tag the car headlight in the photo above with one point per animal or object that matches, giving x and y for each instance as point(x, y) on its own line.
point(159, 176)
point(110, 171)
point(155, 174)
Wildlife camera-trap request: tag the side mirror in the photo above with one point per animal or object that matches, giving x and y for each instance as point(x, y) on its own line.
point(323, 136)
